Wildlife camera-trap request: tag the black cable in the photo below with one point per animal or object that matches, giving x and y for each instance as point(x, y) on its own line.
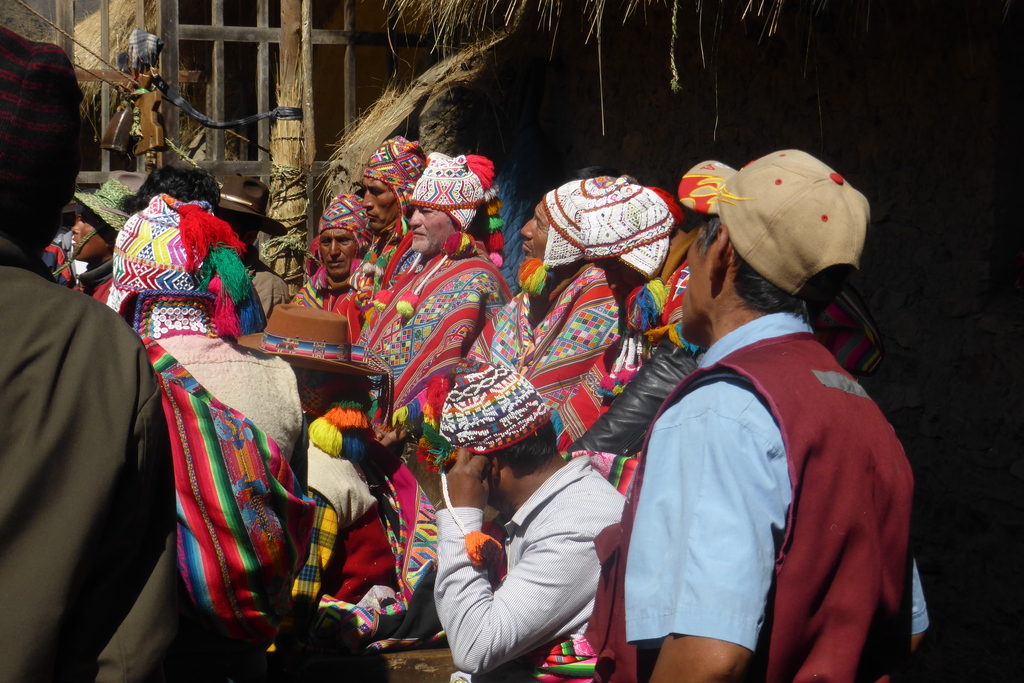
point(175, 98)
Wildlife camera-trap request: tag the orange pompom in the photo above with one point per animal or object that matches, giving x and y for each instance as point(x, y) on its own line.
point(482, 549)
point(347, 418)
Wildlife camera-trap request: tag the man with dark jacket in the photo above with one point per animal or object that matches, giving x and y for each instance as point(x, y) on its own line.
point(87, 510)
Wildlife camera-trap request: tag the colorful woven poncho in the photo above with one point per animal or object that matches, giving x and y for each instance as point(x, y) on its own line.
point(567, 355)
point(453, 307)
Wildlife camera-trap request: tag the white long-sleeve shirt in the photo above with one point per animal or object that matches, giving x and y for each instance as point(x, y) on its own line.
point(548, 593)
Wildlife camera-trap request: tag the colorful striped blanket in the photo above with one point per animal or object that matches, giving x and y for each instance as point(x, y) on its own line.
point(243, 520)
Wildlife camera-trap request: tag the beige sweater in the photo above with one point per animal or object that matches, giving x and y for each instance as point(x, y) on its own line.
point(261, 387)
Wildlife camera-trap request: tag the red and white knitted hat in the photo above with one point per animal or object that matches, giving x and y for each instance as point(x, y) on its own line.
point(457, 186)
point(628, 221)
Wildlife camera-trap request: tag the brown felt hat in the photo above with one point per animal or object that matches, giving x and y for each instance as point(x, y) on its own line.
point(249, 195)
point(790, 217)
point(313, 339)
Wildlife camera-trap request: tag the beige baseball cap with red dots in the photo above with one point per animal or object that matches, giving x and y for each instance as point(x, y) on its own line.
point(790, 217)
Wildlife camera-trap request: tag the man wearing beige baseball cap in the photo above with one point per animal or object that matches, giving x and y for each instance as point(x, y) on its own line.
point(768, 526)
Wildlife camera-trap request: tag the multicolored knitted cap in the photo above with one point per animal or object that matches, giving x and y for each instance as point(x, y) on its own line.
point(457, 186)
point(698, 190)
point(490, 407)
point(398, 163)
point(175, 248)
point(346, 212)
point(563, 208)
point(627, 221)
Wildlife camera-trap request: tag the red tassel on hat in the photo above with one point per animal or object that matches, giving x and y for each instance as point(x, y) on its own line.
point(201, 231)
point(483, 168)
point(671, 202)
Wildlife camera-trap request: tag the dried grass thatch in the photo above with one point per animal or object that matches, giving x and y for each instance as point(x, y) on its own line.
point(394, 107)
point(87, 32)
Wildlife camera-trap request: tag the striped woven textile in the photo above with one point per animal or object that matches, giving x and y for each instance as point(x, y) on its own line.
point(452, 310)
point(570, 660)
point(244, 523)
point(847, 329)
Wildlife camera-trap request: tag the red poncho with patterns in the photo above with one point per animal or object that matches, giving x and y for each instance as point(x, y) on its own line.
point(454, 305)
point(567, 355)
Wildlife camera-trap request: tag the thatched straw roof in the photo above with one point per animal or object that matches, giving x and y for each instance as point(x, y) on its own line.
point(396, 108)
point(451, 19)
point(87, 32)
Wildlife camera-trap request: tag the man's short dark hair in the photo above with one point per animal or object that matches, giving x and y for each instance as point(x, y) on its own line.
point(532, 452)
point(186, 184)
point(757, 293)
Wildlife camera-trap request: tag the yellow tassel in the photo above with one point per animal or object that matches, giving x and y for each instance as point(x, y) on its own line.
point(404, 309)
point(325, 436)
point(401, 416)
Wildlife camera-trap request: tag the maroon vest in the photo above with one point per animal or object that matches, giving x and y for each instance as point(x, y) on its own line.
point(837, 610)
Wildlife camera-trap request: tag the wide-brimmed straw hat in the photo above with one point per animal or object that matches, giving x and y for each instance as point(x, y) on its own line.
point(250, 196)
point(313, 339)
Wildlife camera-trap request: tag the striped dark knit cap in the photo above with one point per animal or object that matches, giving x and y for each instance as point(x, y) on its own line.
point(39, 127)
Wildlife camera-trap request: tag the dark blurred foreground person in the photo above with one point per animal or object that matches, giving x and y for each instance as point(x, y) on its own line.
point(87, 509)
point(771, 445)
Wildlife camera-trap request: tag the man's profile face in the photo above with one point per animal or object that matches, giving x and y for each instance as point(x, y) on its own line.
point(97, 247)
point(535, 233)
point(381, 205)
point(337, 251)
point(696, 326)
point(430, 228)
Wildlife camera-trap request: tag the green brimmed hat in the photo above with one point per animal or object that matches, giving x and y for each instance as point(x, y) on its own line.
point(106, 202)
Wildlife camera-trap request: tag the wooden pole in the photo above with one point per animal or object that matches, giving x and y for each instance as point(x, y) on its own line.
point(288, 177)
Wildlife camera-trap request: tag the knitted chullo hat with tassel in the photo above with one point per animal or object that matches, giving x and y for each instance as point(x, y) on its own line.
point(460, 186)
point(483, 408)
point(630, 222)
point(173, 249)
point(563, 208)
point(398, 163)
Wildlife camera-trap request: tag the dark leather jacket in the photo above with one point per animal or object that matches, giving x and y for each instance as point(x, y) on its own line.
point(621, 430)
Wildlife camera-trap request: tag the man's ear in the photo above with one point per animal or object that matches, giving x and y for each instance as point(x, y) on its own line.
point(721, 255)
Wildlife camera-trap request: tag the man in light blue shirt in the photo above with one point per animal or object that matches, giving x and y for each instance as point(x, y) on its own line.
point(714, 514)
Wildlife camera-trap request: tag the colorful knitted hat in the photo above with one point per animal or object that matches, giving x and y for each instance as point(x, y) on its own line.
point(106, 202)
point(457, 186)
point(398, 163)
point(627, 221)
point(698, 190)
point(490, 407)
point(346, 212)
point(175, 248)
point(39, 126)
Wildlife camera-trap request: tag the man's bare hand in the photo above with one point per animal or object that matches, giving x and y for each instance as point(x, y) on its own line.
point(387, 438)
point(469, 480)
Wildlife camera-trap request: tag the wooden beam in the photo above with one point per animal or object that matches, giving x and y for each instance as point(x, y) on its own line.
point(105, 87)
point(258, 34)
point(93, 75)
point(350, 66)
point(215, 91)
point(263, 80)
point(167, 20)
